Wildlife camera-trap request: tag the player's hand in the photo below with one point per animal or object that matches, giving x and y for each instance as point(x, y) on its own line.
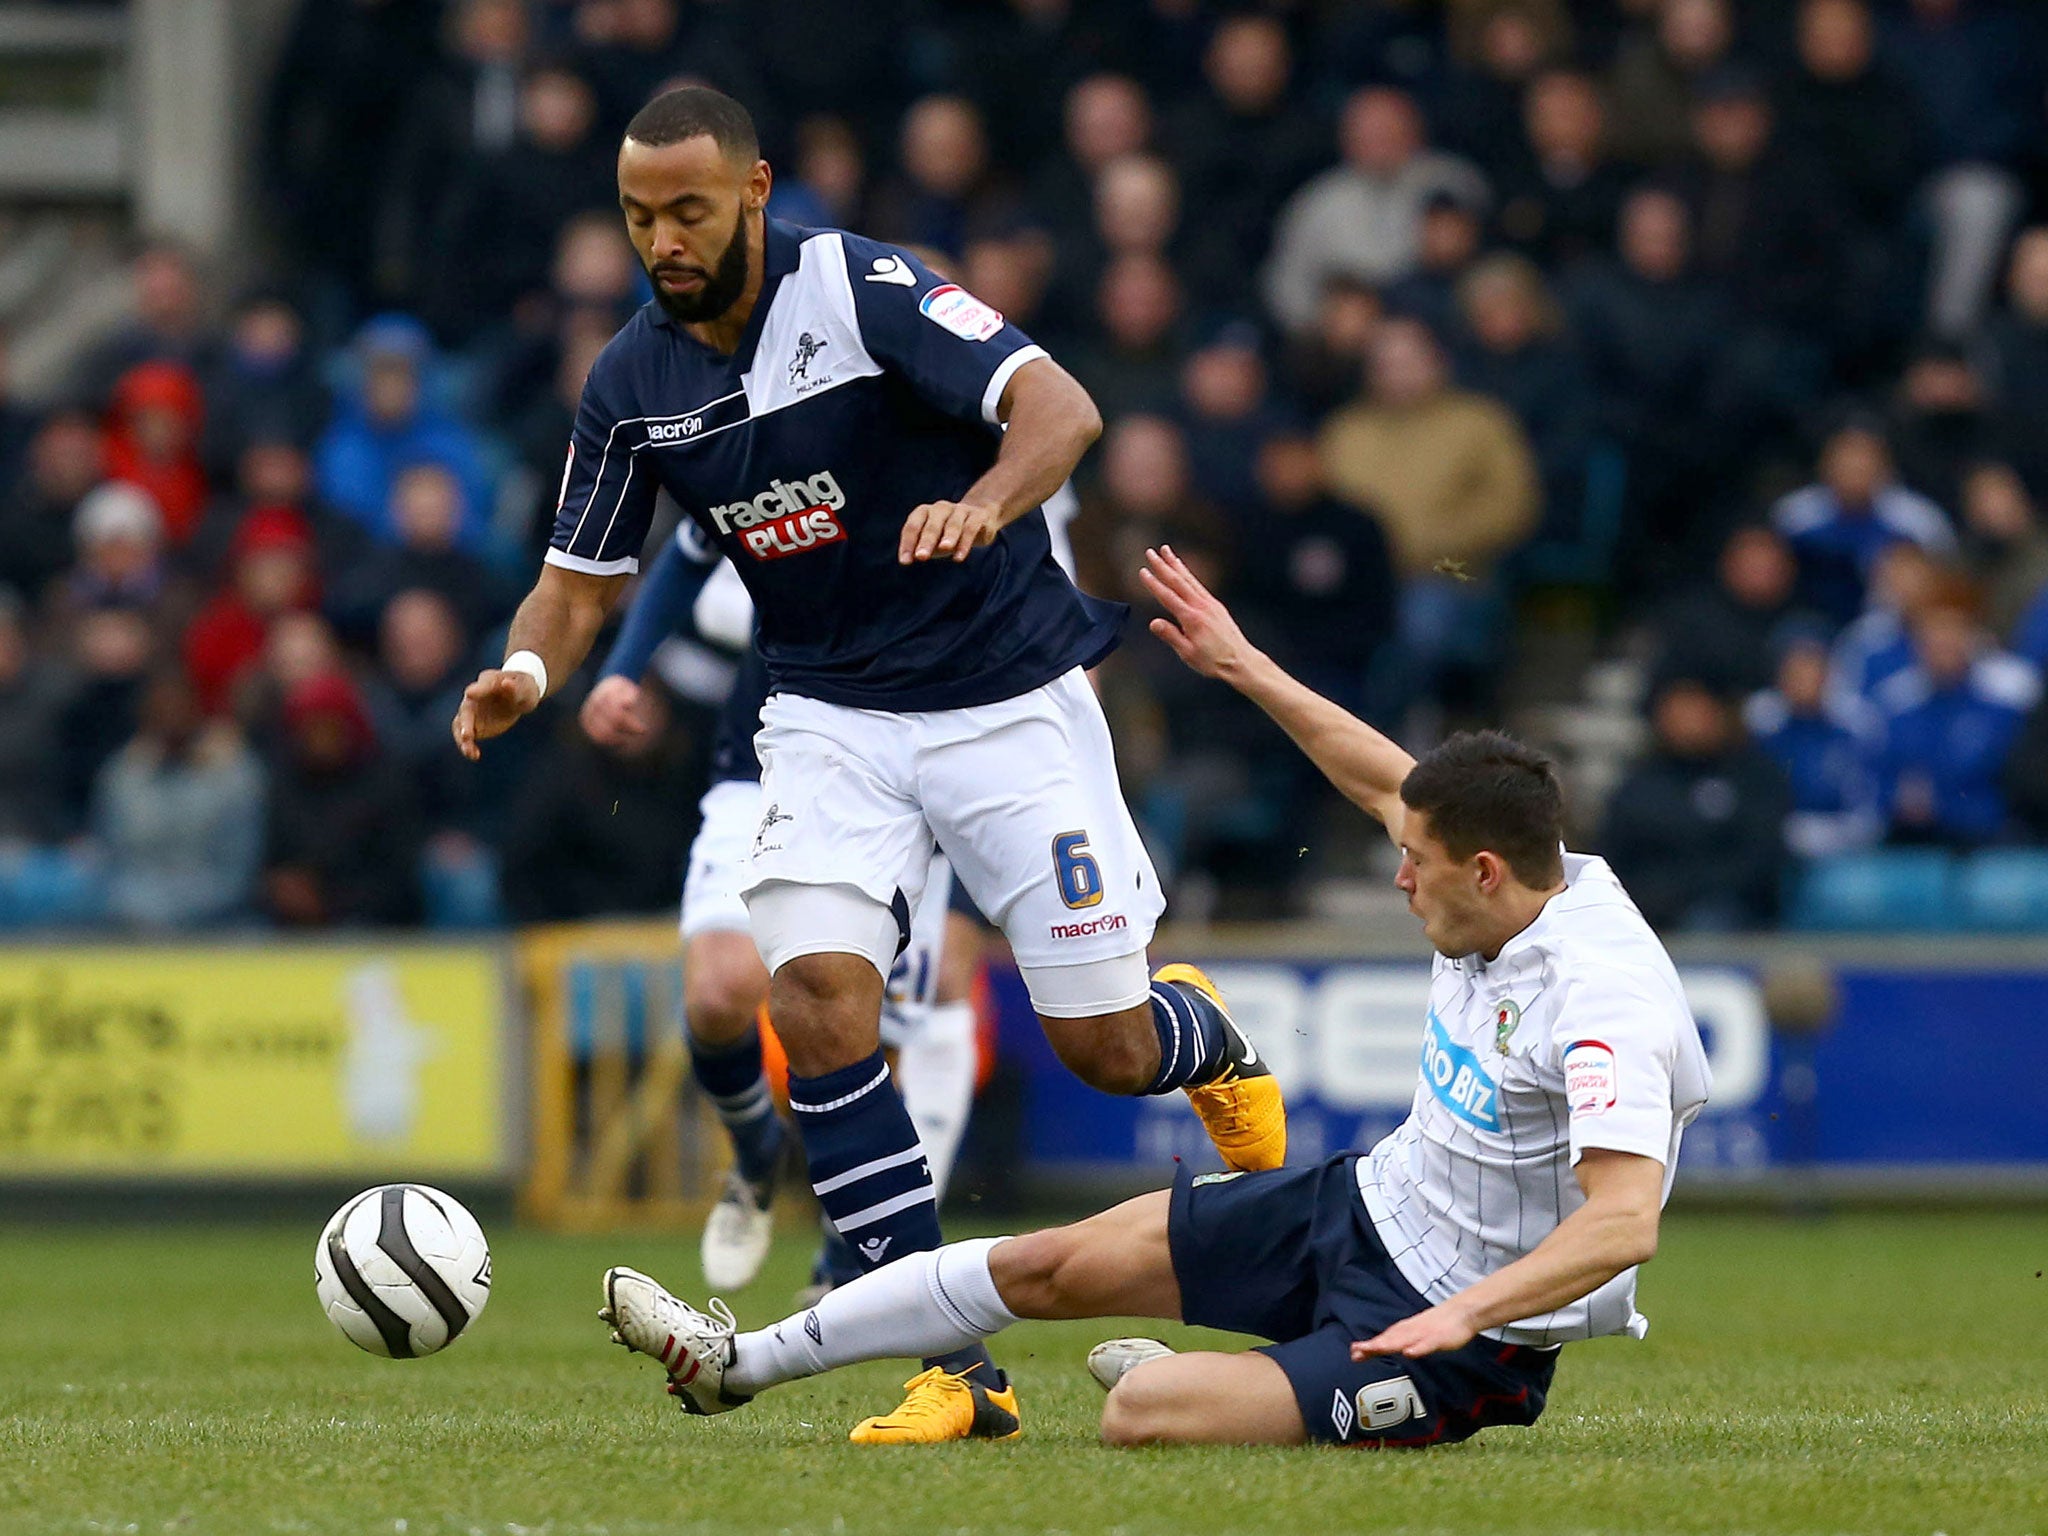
point(1444, 1326)
point(489, 707)
point(1199, 629)
point(941, 530)
point(614, 716)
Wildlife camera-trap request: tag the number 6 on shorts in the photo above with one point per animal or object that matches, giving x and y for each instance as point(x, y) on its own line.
point(1080, 876)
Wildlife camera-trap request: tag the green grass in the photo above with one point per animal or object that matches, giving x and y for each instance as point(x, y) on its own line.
point(1866, 1374)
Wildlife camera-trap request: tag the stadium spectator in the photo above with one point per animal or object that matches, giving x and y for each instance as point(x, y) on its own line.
point(343, 846)
point(1145, 495)
point(505, 209)
point(1480, 108)
point(466, 108)
point(426, 516)
point(1879, 644)
point(1973, 72)
point(152, 442)
point(264, 386)
point(1515, 349)
point(271, 572)
point(166, 322)
point(423, 662)
point(1247, 140)
point(1696, 829)
point(2026, 775)
point(1227, 407)
point(828, 180)
point(1838, 525)
point(1949, 720)
point(1314, 580)
point(31, 702)
point(1826, 749)
point(386, 424)
point(1447, 242)
point(1725, 632)
point(1451, 479)
point(1560, 195)
point(1106, 116)
point(1132, 364)
point(1009, 270)
point(1655, 337)
point(178, 815)
point(120, 539)
point(336, 103)
point(274, 475)
point(1657, 69)
point(1849, 110)
point(2017, 354)
point(17, 424)
point(596, 832)
point(66, 459)
point(2005, 548)
point(946, 190)
point(111, 653)
point(1324, 364)
point(637, 48)
point(1362, 219)
point(1941, 420)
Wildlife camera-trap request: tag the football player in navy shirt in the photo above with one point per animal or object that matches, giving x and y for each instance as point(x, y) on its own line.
point(870, 446)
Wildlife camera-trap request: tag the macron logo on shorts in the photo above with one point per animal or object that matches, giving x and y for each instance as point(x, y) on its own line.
point(1113, 923)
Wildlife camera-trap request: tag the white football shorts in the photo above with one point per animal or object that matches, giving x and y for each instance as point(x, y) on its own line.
point(1021, 795)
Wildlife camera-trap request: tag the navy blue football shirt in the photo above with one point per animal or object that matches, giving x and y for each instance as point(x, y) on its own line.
point(863, 387)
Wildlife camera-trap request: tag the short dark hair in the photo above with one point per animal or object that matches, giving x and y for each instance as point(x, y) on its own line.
point(691, 110)
point(1486, 790)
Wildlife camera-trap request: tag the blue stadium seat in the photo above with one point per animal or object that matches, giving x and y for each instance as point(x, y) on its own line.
point(50, 888)
point(1887, 890)
point(2006, 890)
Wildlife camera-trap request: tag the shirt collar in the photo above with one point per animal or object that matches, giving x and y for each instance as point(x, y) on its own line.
point(1588, 883)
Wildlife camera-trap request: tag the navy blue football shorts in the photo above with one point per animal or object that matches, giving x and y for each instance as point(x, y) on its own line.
point(1292, 1256)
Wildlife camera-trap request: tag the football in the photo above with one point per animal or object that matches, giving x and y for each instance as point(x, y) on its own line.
point(402, 1270)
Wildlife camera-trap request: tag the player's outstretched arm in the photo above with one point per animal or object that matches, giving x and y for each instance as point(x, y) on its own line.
point(1366, 767)
point(558, 622)
point(1614, 1230)
point(1049, 422)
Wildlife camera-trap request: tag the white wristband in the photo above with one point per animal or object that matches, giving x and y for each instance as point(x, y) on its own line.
point(531, 665)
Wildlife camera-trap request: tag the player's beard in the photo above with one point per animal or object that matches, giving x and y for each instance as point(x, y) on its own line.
point(722, 288)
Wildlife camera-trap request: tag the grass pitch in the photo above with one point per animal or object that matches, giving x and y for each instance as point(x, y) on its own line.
point(1862, 1374)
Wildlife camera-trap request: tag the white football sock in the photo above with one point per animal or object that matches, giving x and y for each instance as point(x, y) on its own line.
point(923, 1305)
point(936, 1070)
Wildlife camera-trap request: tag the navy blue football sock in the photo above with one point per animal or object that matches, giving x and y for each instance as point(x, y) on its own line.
point(837, 1262)
point(733, 1081)
point(870, 1172)
point(1194, 1041)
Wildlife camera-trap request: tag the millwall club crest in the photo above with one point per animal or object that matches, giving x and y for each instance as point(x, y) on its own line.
point(807, 349)
point(1507, 1018)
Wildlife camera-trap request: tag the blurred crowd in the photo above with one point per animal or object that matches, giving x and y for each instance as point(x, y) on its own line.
point(1713, 332)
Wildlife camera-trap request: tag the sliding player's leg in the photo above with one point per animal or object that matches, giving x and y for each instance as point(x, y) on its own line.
point(1024, 797)
point(724, 984)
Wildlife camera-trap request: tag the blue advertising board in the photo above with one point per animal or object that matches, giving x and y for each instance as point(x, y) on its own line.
point(1926, 1064)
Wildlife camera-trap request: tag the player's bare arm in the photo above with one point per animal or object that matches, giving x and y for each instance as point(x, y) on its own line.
point(1616, 1229)
point(1365, 766)
point(558, 622)
point(1050, 423)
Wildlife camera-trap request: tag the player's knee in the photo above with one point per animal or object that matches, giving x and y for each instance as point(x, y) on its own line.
point(720, 1004)
point(826, 1009)
point(1140, 1409)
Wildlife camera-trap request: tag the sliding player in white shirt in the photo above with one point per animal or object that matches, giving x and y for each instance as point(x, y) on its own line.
point(1416, 1293)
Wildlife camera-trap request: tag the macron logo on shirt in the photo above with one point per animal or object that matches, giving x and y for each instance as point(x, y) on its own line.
point(1456, 1078)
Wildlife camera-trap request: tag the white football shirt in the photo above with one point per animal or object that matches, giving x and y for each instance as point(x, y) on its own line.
point(1576, 1035)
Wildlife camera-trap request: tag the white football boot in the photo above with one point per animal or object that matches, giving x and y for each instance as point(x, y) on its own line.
point(1113, 1359)
point(693, 1347)
point(737, 1234)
